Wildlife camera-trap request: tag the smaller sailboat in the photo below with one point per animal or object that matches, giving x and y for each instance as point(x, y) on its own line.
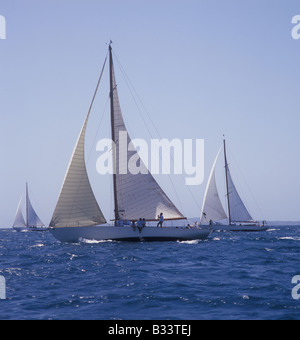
point(33, 222)
point(239, 218)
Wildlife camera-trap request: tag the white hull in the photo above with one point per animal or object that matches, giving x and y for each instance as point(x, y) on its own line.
point(99, 233)
point(20, 229)
point(25, 229)
point(38, 228)
point(254, 228)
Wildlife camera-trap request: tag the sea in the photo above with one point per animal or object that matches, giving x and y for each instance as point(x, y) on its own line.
point(228, 276)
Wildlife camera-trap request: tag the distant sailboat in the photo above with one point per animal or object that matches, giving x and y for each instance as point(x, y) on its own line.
point(77, 214)
point(239, 219)
point(33, 222)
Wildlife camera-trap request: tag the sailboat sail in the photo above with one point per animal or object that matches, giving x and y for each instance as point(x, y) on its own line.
point(77, 205)
point(212, 209)
point(19, 219)
point(136, 195)
point(238, 211)
point(32, 218)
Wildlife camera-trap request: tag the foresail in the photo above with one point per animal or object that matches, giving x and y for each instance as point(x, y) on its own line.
point(212, 209)
point(77, 205)
point(137, 195)
point(19, 219)
point(238, 211)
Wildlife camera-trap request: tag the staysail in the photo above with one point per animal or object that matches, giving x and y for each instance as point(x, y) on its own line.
point(136, 195)
point(212, 209)
point(77, 205)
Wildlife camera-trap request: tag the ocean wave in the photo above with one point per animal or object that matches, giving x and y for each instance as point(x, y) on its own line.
point(189, 242)
point(293, 238)
point(89, 241)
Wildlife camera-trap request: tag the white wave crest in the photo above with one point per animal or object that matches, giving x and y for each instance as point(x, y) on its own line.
point(88, 241)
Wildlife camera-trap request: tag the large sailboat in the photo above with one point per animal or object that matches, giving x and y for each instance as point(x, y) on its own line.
point(239, 218)
point(32, 222)
point(77, 215)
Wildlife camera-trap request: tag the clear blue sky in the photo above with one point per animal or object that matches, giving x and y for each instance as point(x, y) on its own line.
point(201, 67)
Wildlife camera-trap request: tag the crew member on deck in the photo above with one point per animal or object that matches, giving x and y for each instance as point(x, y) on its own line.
point(161, 220)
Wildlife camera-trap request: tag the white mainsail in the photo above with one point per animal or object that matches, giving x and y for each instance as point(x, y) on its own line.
point(32, 218)
point(238, 211)
point(139, 195)
point(77, 205)
point(212, 209)
point(19, 219)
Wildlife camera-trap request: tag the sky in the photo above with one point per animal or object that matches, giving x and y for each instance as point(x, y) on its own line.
point(201, 68)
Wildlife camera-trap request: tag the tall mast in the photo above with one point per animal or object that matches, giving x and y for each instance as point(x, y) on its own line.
point(227, 188)
point(117, 217)
point(27, 222)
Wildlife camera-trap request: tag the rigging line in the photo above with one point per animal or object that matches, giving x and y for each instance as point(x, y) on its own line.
point(132, 89)
point(98, 84)
point(90, 108)
point(98, 129)
point(134, 94)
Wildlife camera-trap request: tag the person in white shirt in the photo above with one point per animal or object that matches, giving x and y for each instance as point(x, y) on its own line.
point(161, 220)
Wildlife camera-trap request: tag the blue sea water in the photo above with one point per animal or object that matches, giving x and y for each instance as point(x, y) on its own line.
point(228, 276)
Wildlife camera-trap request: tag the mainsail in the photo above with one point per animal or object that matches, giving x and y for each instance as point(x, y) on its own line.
point(212, 209)
point(77, 205)
point(136, 195)
point(238, 211)
point(32, 218)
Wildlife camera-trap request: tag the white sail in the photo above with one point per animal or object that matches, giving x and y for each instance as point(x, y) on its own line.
point(238, 211)
point(77, 205)
point(139, 195)
point(19, 219)
point(32, 218)
point(212, 209)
